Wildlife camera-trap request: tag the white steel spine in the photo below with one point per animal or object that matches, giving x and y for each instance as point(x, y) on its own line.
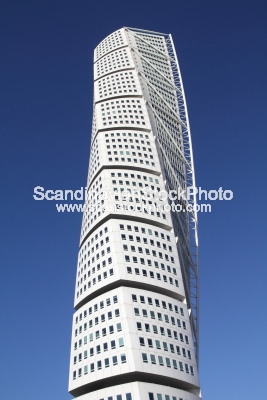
point(135, 333)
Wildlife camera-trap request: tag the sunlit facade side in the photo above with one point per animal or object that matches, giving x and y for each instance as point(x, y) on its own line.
point(135, 326)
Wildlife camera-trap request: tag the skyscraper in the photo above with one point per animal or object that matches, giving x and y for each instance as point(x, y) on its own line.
point(135, 326)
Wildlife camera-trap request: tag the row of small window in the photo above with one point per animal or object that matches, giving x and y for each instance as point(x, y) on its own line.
point(126, 147)
point(156, 264)
point(111, 330)
point(157, 304)
point(147, 252)
point(128, 396)
point(102, 318)
point(168, 363)
point(159, 396)
point(95, 308)
point(121, 121)
point(94, 281)
point(146, 162)
point(144, 231)
point(106, 104)
point(165, 347)
point(152, 275)
point(99, 364)
point(126, 175)
point(146, 241)
point(160, 317)
point(97, 350)
point(118, 89)
point(149, 189)
point(114, 84)
point(128, 153)
point(155, 330)
point(129, 134)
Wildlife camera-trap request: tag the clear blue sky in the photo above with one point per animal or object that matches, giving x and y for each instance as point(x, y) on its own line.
point(46, 110)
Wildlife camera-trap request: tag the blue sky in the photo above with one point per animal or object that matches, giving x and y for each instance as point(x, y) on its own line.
point(46, 109)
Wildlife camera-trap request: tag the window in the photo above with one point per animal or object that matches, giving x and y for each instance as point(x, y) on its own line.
point(144, 313)
point(106, 362)
point(158, 345)
point(121, 342)
point(113, 344)
point(168, 362)
point(144, 357)
point(153, 359)
point(119, 328)
point(139, 326)
point(160, 360)
point(136, 312)
point(115, 360)
point(117, 313)
point(123, 358)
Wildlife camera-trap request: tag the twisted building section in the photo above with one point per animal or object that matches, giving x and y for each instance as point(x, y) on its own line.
point(135, 328)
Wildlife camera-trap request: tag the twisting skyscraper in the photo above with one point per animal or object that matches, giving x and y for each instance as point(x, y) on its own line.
point(135, 328)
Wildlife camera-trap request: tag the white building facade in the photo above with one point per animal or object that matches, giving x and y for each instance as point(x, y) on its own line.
point(135, 326)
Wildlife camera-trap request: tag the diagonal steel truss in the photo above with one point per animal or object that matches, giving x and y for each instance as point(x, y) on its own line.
point(187, 241)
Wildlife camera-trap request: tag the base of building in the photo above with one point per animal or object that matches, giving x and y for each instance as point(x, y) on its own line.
point(139, 391)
